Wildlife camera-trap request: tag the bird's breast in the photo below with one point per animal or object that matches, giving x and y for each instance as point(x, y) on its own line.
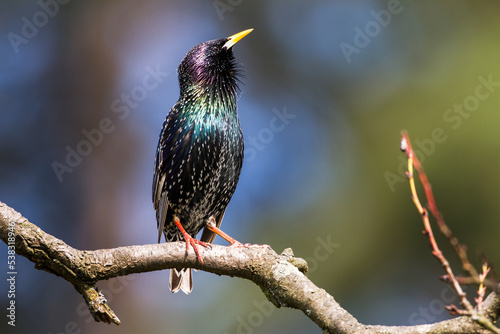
point(205, 164)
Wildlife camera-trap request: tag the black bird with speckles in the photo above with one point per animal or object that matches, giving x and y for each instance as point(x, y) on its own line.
point(200, 150)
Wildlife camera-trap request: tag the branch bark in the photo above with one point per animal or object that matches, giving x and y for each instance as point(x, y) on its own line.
point(281, 277)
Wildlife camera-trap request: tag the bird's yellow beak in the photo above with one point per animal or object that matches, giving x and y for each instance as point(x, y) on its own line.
point(232, 40)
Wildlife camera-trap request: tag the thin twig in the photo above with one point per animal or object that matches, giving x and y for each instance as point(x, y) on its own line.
point(482, 288)
point(460, 249)
point(413, 161)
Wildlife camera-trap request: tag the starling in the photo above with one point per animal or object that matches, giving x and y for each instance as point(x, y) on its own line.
point(200, 151)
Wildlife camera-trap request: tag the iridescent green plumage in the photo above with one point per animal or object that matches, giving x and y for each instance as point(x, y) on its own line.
point(200, 150)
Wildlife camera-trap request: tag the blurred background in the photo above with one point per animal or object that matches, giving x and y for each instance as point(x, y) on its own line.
point(85, 88)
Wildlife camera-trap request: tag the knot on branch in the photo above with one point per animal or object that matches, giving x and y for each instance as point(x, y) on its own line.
point(298, 262)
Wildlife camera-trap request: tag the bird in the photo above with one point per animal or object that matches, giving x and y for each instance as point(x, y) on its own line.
point(200, 151)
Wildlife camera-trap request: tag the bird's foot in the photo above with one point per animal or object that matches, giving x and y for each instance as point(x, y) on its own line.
point(234, 243)
point(191, 241)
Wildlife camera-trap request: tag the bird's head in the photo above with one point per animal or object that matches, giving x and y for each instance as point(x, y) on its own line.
point(212, 65)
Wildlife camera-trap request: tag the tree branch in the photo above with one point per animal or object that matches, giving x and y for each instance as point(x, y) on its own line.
point(281, 277)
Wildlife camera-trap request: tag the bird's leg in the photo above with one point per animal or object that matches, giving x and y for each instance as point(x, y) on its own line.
point(190, 240)
point(212, 227)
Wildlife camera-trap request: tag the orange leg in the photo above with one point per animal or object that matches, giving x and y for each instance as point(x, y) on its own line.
point(211, 226)
point(190, 240)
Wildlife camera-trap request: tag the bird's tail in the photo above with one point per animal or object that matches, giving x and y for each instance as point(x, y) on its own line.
point(181, 279)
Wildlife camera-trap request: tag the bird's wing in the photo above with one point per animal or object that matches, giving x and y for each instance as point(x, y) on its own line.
point(161, 214)
point(171, 157)
point(160, 195)
point(159, 176)
point(160, 198)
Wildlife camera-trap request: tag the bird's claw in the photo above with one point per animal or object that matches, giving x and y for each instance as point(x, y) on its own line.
point(193, 242)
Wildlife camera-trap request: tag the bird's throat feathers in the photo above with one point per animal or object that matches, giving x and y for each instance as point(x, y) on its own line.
point(206, 100)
